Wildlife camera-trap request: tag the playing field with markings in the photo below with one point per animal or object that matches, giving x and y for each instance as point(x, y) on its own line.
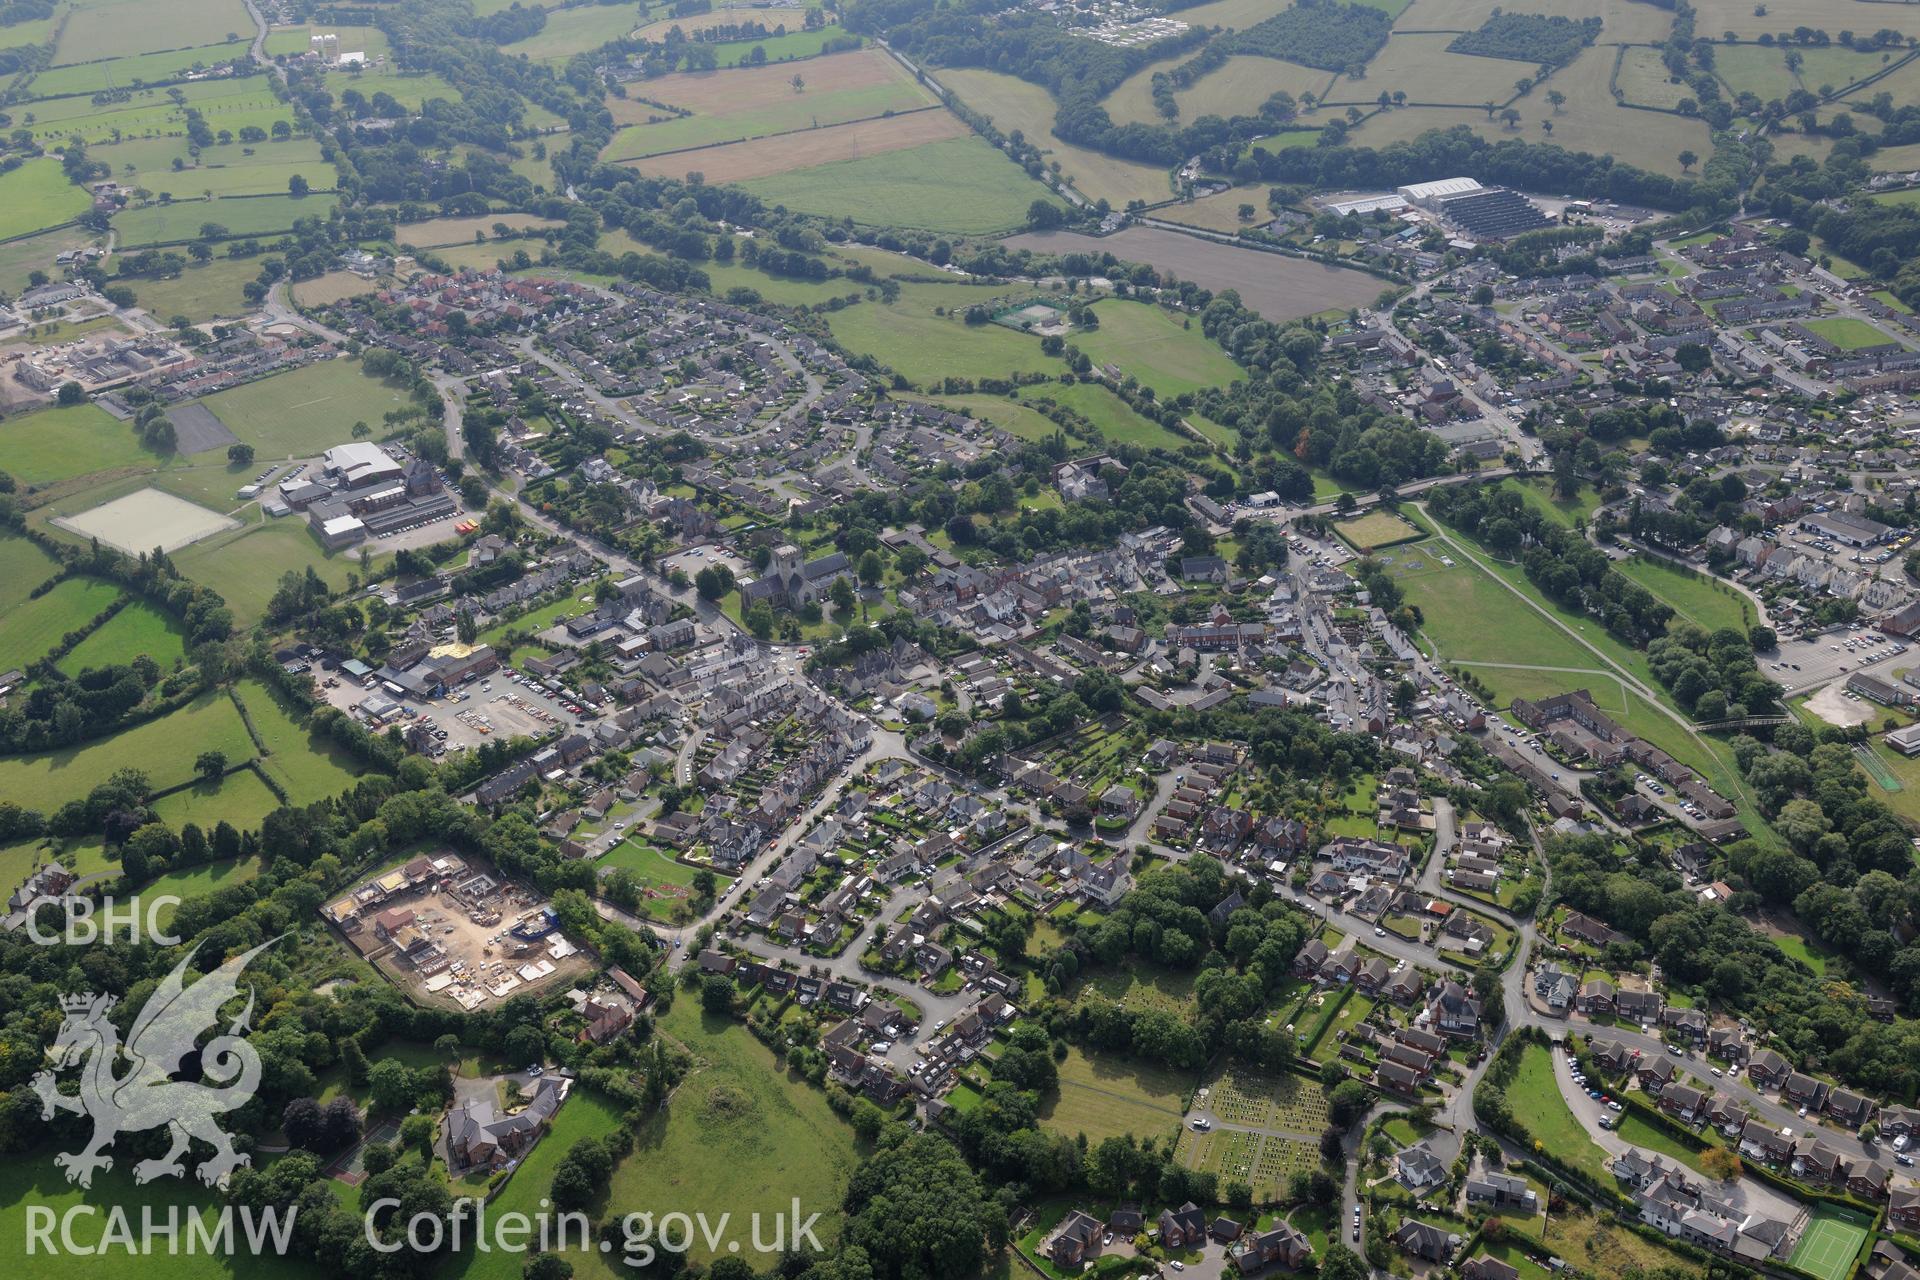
point(1830, 1244)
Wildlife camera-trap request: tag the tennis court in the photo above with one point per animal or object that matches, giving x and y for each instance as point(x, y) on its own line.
point(1831, 1242)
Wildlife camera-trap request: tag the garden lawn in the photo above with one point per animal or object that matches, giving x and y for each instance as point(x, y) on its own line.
point(36, 196)
point(307, 767)
point(1164, 351)
point(208, 723)
point(57, 444)
point(1106, 1097)
point(30, 631)
point(139, 629)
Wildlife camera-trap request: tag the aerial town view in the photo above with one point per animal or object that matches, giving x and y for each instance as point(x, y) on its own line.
point(960, 639)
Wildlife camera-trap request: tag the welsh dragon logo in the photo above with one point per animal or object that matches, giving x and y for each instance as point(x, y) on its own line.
point(149, 1095)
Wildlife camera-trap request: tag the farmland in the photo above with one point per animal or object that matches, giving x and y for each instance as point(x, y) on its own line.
point(106, 73)
point(235, 169)
point(57, 444)
point(1624, 23)
point(576, 30)
point(1012, 103)
point(137, 630)
point(28, 632)
point(1645, 81)
point(176, 223)
point(1277, 287)
point(114, 28)
point(1164, 351)
point(37, 195)
point(722, 16)
point(209, 722)
point(1784, 15)
point(1235, 88)
point(765, 157)
point(756, 102)
point(955, 183)
point(448, 231)
point(204, 291)
point(151, 113)
point(240, 798)
point(306, 767)
point(23, 566)
point(907, 335)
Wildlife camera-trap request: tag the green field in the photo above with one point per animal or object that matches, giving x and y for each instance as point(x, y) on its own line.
point(37, 195)
point(1105, 1097)
point(1535, 1097)
point(241, 216)
point(200, 293)
point(245, 565)
point(409, 89)
point(305, 411)
point(239, 798)
point(32, 1178)
point(1847, 333)
point(1695, 597)
point(1376, 529)
point(741, 1133)
point(229, 105)
point(1010, 415)
point(1118, 421)
point(28, 632)
point(136, 630)
point(959, 185)
point(1165, 351)
point(115, 28)
point(787, 48)
point(307, 768)
point(1831, 1243)
point(209, 723)
point(23, 566)
point(1012, 103)
point(909, 337)
point(1565, 512)
point(577, 30)
point(20, 258)
point(138, 68)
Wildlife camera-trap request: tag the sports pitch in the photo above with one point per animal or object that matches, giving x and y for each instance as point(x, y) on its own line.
point(145, 519)
point(1831, 1242)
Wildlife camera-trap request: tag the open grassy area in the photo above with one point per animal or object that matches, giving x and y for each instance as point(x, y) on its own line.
point(198, 882)
point(136, 630)
point(1696, 597)
point(32, 1179)
point(307, 768)
point(957, 185)
point(1565, 512)
point(1143, 986)
point(29, 632)
point(231, 105)
point(114, 28)
point(741, 1132)
point(57, 444)
point(245, 565)
point(1848, 333)
point(1104, 1097)
point(19, 258)
point(1118, 421)
point(1535, 1097)
point(37, 195)
point(107, 73)
point(1165, 351)
point(209, 723)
